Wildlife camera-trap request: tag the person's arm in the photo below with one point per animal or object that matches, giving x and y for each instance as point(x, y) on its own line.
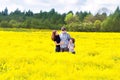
point(57, 43)
point(61, 39)
point(68, 36)
point(68, 45)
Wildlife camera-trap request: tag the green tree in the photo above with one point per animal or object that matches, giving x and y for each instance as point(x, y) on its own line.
point(97, 25)
point(89, 19)
point(28, 23)
point(5, 12)
point(82, 15)
point(4, 24)
point(88, 27)
point(13, 23)
point(100, 17)
point(16, 12)
point(68, 18)
point(29, 13)
point(112, 23)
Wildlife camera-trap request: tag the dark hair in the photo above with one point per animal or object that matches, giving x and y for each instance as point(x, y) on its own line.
point(63, 29)
point(73, 40)
point(53, 35)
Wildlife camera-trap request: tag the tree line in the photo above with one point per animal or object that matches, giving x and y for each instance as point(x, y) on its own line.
point(79, 21)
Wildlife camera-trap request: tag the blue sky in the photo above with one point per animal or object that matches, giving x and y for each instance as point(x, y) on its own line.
point(61, 6)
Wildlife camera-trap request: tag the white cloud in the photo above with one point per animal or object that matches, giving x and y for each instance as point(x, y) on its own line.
point(60, 5)
point(35, 2)
point(95, 5)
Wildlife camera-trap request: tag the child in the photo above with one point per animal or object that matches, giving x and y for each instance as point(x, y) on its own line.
point(56, 38)
point(71, 45)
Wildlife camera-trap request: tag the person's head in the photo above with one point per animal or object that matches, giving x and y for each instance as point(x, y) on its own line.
point(72, 40)
point(63, 29)
point(54, 33)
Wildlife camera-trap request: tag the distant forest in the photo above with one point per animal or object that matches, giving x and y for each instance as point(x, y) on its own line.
point(79, 21)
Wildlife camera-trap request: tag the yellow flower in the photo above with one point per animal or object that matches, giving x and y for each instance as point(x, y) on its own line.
point(31, 56)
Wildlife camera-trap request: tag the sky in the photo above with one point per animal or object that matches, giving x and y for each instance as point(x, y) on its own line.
point(61, 6)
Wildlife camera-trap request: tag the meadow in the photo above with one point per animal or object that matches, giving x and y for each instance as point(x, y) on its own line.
point(30, 55)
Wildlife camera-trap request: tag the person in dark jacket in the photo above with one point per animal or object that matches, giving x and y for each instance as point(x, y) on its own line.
point(56, 38)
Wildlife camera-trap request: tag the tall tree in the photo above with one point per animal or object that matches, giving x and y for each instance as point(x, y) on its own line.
point(82, 15)
point(112, 23)
point(101, 16)
point(29, 13)
point(5, 12)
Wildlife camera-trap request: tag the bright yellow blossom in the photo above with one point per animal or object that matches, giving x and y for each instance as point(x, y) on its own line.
point(31, 56)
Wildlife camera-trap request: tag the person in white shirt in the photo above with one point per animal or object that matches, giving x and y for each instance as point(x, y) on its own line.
point(71, 45)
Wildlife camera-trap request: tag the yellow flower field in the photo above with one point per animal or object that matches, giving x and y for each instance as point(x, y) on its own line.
point(31, 56)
